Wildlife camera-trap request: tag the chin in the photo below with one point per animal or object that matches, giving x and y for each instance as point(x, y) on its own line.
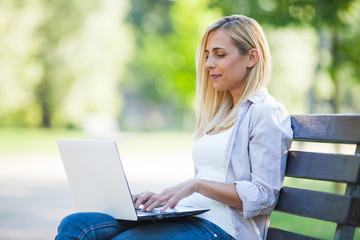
point(220, 88)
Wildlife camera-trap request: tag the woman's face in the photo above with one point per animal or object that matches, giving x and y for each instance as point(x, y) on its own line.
point(227, 67)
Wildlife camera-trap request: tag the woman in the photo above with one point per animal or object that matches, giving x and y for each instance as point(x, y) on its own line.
point(242, 135)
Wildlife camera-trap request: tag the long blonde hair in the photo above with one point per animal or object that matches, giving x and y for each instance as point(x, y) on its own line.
point(212, 105)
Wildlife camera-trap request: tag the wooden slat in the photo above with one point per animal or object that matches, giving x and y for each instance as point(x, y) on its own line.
point(344, 210)
point(319, 205)
point(327, 128)
point(321, 166)
point(354, 214)
point(344, 232)
point(278, 234)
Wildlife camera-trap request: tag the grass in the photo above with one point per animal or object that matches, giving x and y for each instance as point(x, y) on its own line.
point(22, 141)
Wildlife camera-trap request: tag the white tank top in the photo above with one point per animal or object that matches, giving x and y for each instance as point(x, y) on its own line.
point(209, 160)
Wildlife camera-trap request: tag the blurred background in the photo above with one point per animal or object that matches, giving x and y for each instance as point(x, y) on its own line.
point(126, 70)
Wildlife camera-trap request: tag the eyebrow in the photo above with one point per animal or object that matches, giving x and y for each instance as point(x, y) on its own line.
point(214, 49)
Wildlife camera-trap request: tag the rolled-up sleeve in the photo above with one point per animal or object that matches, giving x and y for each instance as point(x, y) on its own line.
point(270, 137)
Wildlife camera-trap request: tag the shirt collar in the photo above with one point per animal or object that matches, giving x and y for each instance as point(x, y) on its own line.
point(259, 96)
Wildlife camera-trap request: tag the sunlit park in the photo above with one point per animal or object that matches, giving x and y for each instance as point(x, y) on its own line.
point(125, 70)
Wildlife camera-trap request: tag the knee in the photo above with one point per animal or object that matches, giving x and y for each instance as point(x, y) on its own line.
point(71, 221)
point(84, 220)
point(71, 225)
point(78, 224)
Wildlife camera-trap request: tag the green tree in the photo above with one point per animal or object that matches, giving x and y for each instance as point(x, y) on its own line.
point(60, 61)
point(18, 72)
point(336, 23)
point(162, 71)
point(33, 33)
point(61, 20)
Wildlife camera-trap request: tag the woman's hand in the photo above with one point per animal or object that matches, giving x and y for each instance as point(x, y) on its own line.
point(141, 198)
point(169, 197)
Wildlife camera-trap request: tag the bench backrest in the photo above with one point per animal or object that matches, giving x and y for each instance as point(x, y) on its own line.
point(341, 209)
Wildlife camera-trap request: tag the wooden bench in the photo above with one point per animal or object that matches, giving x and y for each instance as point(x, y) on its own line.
point(344, 210)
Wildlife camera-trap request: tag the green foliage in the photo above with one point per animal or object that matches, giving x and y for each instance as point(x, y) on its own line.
point(60, 60)
point(35, 31)
point(162, 69)
point(61, 20)
point(336, 23)
point(162, 72)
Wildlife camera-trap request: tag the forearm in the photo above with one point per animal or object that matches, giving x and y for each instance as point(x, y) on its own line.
point(221, 192)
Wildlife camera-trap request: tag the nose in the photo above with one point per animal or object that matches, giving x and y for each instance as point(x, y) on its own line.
point(210, 63)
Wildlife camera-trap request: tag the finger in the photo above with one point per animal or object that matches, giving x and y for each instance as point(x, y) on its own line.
point(174, 204)
point(153, 205)
point(150, 202)
point(135, 197)
point(143, 198)
point(169, 204)
point(155, 201)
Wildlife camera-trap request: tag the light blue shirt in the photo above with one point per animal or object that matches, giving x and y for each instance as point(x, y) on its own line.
point(256, 159)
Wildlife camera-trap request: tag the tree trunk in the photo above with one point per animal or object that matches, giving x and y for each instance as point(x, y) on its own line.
point(44, 99)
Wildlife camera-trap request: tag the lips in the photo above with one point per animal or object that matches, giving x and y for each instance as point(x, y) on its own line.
point(215, 76)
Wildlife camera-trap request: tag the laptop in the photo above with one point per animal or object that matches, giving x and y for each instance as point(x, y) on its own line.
point(98, 183)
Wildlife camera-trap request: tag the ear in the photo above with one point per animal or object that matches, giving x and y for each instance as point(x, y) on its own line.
point(253, 55)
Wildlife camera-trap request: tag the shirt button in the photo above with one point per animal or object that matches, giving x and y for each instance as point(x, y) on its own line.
point(215, 235)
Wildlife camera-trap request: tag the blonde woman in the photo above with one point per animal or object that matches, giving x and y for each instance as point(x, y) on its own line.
point(242, 137)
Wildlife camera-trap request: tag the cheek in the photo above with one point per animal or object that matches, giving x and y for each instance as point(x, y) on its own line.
point(237, 71)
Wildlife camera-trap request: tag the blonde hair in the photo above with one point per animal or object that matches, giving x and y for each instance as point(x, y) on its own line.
point(212, 105)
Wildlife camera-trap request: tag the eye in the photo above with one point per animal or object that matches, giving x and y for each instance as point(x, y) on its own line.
point(221, 55)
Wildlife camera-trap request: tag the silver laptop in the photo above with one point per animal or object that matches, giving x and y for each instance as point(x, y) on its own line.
point(98, 182)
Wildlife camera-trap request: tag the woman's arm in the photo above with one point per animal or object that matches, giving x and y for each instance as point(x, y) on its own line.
point(170, 197)
point(270, 137)
point(221, 192)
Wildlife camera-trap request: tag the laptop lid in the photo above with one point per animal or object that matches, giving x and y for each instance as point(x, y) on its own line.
point(96, 177)
point(98, 182)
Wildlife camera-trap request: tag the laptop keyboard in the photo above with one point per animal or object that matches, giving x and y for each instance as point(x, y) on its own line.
point(154, 211)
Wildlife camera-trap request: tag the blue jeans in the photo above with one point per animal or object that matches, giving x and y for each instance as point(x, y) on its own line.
point(103, 226)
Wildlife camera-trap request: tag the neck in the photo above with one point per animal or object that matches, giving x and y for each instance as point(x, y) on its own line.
point(236, 95)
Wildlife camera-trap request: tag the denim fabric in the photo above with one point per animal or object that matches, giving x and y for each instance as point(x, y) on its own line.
point(101, 226)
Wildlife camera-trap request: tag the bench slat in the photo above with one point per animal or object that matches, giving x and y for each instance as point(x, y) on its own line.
point(343, 210)
point(321, 166)
point(319, 205)
point(278, 234)
point(344, 232)
point(327, 128)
